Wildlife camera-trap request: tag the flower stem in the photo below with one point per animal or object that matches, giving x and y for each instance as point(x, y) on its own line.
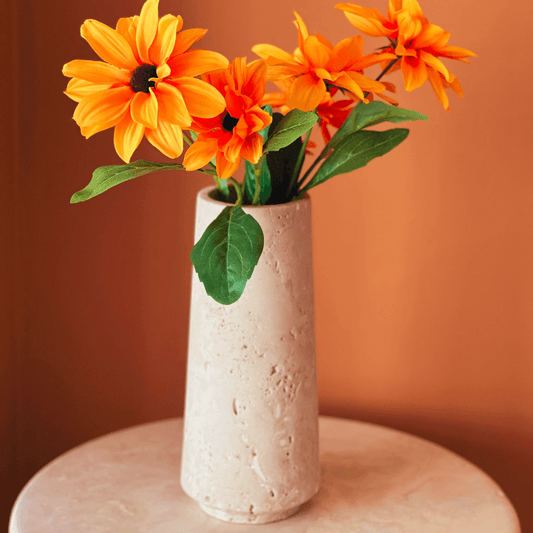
point(238, 189)
point(298, 166)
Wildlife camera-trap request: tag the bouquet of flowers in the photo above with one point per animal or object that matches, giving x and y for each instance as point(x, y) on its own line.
point(150, 83)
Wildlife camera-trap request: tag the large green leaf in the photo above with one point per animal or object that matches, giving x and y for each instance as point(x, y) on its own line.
point(293, 125)
point(250, 169)
point(366, 115)
point(106, 177)
point(227, 253)
point(355, 151)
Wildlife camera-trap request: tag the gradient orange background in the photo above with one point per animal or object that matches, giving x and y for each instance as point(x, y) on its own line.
point(423, 259)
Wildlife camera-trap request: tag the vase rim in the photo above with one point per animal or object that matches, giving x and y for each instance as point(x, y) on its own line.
point(203, 194)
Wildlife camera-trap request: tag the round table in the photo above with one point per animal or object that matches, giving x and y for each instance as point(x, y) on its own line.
point(374, 480)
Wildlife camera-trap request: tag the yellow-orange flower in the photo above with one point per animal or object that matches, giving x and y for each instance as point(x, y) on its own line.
point(145, 84)
point(234, 133)
point(317, 64)
point(417, 42)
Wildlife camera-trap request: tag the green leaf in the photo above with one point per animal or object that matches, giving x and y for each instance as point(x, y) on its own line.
point(292, 126)
point(106, 177)
point(355, 151)
point(227, 253)
point(366, 115)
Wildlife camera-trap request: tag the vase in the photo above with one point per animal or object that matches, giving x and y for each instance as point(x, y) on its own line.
point(250, 445)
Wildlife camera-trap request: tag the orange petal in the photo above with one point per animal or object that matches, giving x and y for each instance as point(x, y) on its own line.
point(128, 135)
point(324, 41)
point(127, 27)
point(185, 39)
point(199, 154)
point(315, 52)
point(456, 86)
point(225, 168)
point(167, 138)
point(78, 89)
point(103, 109)
point(453, 52)
point(268, 51)
point(366, 83)
point(429, 35)
point(202, 100)
point(436, 83)
point(415, 11)
point(172, 107)
point(346, 82)
point(345, 53)
point(369, 21)
point(108, 44)
point(306, 93)
point(166, 37)
point(252, 149)
point(256, 76)
point(144, 109)
point(96, 72)
point(414, 72)
point(147, 29)
point(435, 63)
point(274, 99)
point(303, 34)
point(196, 62)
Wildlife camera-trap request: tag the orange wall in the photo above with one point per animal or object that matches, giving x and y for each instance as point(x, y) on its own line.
point(423, 259)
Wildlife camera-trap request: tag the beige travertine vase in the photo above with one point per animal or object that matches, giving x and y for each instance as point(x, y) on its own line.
point(250, 446)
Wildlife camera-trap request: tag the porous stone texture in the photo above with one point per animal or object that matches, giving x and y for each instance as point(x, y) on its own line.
point(250, 449)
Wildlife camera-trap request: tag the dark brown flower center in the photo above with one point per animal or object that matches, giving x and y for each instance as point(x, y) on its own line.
point(140, 78)
point(229, 122)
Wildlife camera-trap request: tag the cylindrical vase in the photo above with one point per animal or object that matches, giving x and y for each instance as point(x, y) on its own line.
point(250, 445)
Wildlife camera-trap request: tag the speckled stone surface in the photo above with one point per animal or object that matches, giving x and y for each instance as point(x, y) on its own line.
point(374, 480)
point(250, 448)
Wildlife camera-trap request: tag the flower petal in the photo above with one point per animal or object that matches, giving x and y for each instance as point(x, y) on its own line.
point(199, 154)
point(103, 109)
point(108, 44)
point(78, 89)
point(196, 62)
point(316, 53)
point(436, 83)
point(303, 34)
point(128, 135)
point(254, 85)
point(185, 39)
point(202, 100)
point(453, 52)
point(96, 72)
point(167, 138)
point(345, 53)
point(147, 29)
point(369, 21)
point(429, 35)
point(306, 93)
point(144, 109)
point(435, 63)
point(252, 149)
point(266, 51)
point(225, 168)
point(274, 99)
point(127, 27)
point(172, 107)
point(166, 37)
point(414, 72)
point(346, 82)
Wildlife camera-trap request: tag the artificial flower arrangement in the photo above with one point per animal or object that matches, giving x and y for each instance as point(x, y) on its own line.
point(147, 86)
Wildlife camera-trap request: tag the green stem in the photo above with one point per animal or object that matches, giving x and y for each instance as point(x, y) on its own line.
point(238, 189)
point(298, 166)
point(257, 172)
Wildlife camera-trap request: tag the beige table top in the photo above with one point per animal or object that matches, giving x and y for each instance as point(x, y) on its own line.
point(374, 480)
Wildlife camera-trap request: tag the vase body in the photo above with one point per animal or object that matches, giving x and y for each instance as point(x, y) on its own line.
point(250, 445)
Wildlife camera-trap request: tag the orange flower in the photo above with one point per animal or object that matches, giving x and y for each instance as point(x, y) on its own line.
point(417, 42)
point(317, 64)
point(234, 133)
point(145, 84)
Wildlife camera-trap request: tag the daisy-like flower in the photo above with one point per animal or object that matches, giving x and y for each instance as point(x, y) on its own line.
point(418, 43)
point(145, 85)
point(234, 133)
point(316, 64)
